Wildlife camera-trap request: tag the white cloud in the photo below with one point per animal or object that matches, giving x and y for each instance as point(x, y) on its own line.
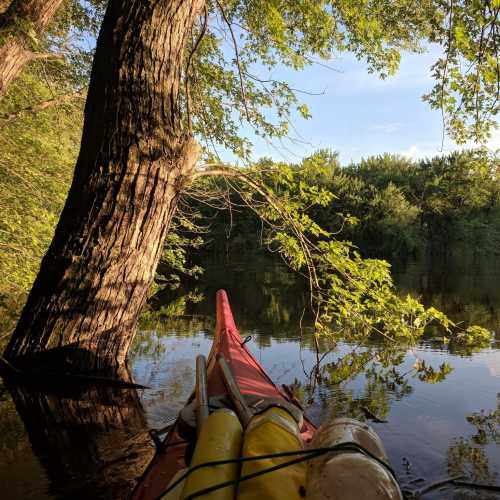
point(411, 153)
point(494, 142)
point(414, 73)
point(427, 150)
point(430, 150)
point(388, 128)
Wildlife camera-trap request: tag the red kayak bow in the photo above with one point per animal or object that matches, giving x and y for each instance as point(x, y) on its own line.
point(252, 380)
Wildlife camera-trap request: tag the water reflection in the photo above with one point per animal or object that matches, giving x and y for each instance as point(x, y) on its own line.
point(429, 408)
point(468, 456)
point(91, 443)
point(424, 393)
point(263, 290)
point(463, 286)
point(382, 384)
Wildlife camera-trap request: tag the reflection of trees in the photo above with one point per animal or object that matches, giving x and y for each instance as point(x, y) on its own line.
point(262, 290)
point(12, 429)
point(263, 341)
point(382, 383)
point(377, 367)
point(92, 443)
point(466, 288)
point(468, 456)
point(266, 294)
point(156, 325)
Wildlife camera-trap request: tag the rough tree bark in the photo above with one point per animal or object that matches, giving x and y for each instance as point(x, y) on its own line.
point(19, 20)
point(134, 160)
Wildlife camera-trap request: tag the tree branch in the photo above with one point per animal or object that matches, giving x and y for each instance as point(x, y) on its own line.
point(310, 251)
point(305, 244)
point(238, 63)
point(40, 106)
point(300, 91)
point(4, 5)
point(37, 56)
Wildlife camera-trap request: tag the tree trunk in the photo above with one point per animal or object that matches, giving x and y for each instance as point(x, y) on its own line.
point(20, 21)
point(134, 160)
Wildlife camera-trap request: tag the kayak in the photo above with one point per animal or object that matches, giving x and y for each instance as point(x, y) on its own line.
point(255, 385)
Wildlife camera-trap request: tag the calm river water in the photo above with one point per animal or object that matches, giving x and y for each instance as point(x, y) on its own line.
point(438, 423)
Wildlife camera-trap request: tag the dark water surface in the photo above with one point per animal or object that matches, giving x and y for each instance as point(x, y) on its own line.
point(95, 444)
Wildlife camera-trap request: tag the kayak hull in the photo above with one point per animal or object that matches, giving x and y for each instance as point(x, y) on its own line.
point(252, 380)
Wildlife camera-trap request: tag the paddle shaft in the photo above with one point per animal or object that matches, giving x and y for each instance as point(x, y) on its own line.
point(240, 404)
point(201, 392)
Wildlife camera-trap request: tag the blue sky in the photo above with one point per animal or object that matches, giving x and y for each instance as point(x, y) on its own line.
point(361, 115)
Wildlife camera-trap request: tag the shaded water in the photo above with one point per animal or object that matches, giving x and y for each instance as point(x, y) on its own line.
point(94, 444)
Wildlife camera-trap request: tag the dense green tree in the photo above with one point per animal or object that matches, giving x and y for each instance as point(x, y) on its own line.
point(404, 206)
point(54, 32)
point(457, 192)
point(389, 205)
point(38, 151)
point(20, 25)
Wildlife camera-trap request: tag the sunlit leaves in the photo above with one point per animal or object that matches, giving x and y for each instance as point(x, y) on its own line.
point(468, 73)
point(351, 295)
point(234, 83)
point(36, 164)
point(474, 335)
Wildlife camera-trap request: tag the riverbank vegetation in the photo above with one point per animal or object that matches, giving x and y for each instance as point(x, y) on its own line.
point(388, 206)
point(38, 151)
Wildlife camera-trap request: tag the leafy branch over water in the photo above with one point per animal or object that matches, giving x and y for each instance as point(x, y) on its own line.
point(351, 296)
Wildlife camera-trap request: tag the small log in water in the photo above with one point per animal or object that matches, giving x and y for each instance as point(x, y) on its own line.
point(58, 379)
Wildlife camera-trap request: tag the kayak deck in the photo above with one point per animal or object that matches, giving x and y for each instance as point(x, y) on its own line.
point(252, 380)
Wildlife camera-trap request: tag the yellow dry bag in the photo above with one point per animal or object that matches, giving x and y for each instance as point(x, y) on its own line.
point(273, 431)
point(220, 439)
